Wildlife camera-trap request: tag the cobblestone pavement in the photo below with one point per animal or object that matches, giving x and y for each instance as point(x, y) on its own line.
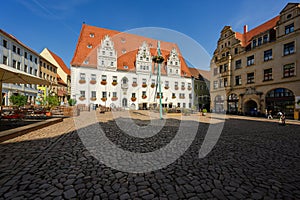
point(252, 160)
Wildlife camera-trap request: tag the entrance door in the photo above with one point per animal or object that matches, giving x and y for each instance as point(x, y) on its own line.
point(124, 102)
point(250, 108)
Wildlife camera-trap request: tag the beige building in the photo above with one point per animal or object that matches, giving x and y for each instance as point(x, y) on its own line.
point(48, 71)
point(63, 75)
point(259, 70)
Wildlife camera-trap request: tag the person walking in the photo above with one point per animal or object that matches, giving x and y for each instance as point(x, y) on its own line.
point(270, 114)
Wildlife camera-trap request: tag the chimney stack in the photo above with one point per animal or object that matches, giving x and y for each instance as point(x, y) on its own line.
point(245, 29)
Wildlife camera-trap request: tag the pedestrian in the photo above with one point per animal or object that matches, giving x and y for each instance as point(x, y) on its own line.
point(282, 119)
point(270, 114)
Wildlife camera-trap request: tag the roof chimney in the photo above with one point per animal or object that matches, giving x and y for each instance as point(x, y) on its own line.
point(245, 29)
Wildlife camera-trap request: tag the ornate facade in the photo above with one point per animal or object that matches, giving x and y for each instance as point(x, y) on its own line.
point(258, 70)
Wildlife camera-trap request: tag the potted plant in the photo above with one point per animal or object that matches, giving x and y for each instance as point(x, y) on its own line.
point(114, 83)
point(103, 82)
point(52, 101)
point(114, 98)
point(103, 98)
point(93, 82)
point(144, 85)
point(72, 102)
point(134, 84)
point(133, 98)
point(204, 111)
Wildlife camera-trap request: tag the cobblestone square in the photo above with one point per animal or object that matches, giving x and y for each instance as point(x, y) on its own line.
point(253, 159)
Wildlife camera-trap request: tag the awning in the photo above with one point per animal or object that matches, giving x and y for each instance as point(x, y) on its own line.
point(12, 75)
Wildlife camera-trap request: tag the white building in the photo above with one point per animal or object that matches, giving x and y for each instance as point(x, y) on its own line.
point(115, 69)
point(14, 53)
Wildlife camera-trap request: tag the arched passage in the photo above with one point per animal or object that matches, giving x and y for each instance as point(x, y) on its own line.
point(250, 108)
point(281, 99)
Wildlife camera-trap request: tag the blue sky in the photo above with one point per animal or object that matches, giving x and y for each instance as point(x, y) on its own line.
point(56, 24)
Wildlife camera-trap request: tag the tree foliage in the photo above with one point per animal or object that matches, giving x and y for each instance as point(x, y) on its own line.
point(18, 100)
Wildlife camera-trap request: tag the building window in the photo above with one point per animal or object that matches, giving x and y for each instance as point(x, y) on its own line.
point(103, 52)
point(250, 60)
point(250, 77)
point(19, 51)
point(225, 82)
point(289, 28)
point(89, 46)
point(102, 62)
point(265, 38)
point(25, 55)
point(25, 68)
point(82, 76)
point(14, 64)
point(111, 53)
point(268, 55)
point(225, 67)
point(104, 95)
point(35, 72)
point(93, 94)
point(220, 69)
point(190, 95)
point(30, 57)
point(166, 83)
point(238, 64)
point(14, 48)
point(103, 77)
point(114, 94)
point(112, 64)
point(236, 50)
point(133, 95)
point(4, 42)
point(259, 41)
point(268, 74)
point(92, 35)
point(93, 77)
point(289, 70)
point(82, 93)
point(238, 80)
point(288, 48)
point(215, 84)
point(144, 81)
point(35, 60)
point(115, 78)
point(215, 71)
point(5, 60)
point(134, 80)
point(254, 43)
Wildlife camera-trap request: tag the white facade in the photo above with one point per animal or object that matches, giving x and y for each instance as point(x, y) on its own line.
point(16, 55)
point(124, 90)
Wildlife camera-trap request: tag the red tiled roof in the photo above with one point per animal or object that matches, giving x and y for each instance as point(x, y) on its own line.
point(60, 62)
point(195, 73)
point(246, 38)
point(122, 42)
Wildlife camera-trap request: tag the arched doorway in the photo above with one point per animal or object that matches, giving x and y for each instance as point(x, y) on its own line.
point(124, 102)
point(219, 103)
point(281, 99)
point(250, 108)
point(233, 100)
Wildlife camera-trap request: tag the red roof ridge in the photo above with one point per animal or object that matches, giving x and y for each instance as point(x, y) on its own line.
point(60, 62)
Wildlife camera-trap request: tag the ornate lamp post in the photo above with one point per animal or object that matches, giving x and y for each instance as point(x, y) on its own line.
point(159, 59)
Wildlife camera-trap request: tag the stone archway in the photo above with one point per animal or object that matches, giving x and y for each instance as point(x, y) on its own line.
point(250, 108)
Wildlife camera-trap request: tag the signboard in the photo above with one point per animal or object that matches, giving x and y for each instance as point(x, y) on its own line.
point(297, 102)
point(41, 96)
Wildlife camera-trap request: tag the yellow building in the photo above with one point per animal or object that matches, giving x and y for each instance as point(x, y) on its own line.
point(48, 71)
point(258, 70)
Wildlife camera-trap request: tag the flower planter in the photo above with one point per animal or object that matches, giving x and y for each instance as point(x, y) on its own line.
point(81, 98)
point(152, 85)
point(144, 85)
point(173, 97)
point(134, 84)
point(133, 99)
point(114, 98)
point(158, 97)
point(103, 98)
point(82, 81)
point(144, 97)
point(93, 98)
point(114, 83)
point(48, 114)
point(93, 82)
point(189, 88)
point(182, 88)
point(103, 82)
point(166, 87)
point(176, 87)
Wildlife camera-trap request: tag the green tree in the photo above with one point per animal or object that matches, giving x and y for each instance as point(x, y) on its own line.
point(72, 102)
point(18, 100)
point(52, 101)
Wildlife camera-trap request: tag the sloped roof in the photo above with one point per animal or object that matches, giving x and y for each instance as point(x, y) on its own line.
point(125, 44)
point(246, 38)
point(60, 81)
point(204, 73)
point(60, 62)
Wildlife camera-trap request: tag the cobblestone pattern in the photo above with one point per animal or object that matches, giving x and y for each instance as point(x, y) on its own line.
point(252, 160)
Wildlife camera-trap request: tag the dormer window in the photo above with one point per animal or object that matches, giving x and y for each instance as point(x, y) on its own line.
point(92, 35)
point(259, 41)
point(265, 38)
point(289, 16)
point(289, 28)
point(123, 40)
point(123, 51)
point(89, 46)
point(254, 43)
